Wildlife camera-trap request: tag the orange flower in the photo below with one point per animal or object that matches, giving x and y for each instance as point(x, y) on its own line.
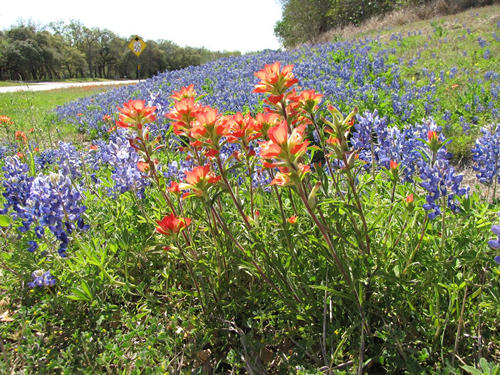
point(172, 225)
point(201, 173)
point(432, 135)
point(20, 155)
point(242, 128)
point(183, 114)
point(184, 93)
point(143, 166)
point(174, 188)
point(309, 100)
point(135, 114)
point(273, 81)
point(21, 136)
point(93, 148)
point(269, 150)
point(281, 179)
point(333, 141)
point(393, 165)
point(198, 180)
point(5, 120)
point(292, 219)
point(106, 118)
point(267, 120)
point(409, 199)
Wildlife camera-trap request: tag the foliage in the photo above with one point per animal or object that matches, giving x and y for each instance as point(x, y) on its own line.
point(75, 51)
point(304, 21)
point(268, 218)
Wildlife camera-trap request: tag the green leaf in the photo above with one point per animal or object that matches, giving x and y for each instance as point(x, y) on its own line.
point(472, 370)
point(4, 220)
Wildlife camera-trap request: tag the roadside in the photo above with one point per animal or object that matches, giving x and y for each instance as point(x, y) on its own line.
point(45, 86)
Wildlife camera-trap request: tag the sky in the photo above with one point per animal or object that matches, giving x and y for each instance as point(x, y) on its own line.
point(218, 25)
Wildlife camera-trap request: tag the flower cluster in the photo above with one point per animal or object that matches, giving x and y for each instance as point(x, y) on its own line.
point(41, 279)
point(486, 155)
point(55, 204)
point(442, 185)
point(495, 243)
point(171, 225)
point(17, 183)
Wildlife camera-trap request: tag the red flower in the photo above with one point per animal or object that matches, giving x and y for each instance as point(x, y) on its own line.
point(21, 136)
point(198, 180)
point(184, 93)
point(409, 199)
point(135, 114)
point(432, 135)
point(174, 188)
point(292, 219)
point(183, 114)
point(5, 120)
point(242, 128)
point(93, 148)
point(201, 173)
point(393, 165)
point(106, 118)
point(281, 179)
point(143, 166)
point(309, 100)
point(172, 225)
point(273, 81)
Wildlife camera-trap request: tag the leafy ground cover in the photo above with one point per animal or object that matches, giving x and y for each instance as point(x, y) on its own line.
point(252, 216)
point(34, 110)
point(20, 83)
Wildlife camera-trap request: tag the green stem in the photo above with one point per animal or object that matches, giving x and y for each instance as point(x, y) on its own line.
point(412, 255)
point(459, 328)
point(233, 197)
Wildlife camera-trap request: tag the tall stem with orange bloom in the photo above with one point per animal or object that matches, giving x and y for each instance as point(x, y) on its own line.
point(231, 193)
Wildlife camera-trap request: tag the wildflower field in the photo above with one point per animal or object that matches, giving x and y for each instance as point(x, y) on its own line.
point(279, 212)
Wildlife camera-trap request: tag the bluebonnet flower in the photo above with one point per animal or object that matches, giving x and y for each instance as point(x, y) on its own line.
point(17, 186)
point(486, 155)
point(41, 279)
point(495, 243)
point(440, 182)
point(45, 158)
point(69, 160)
point(490, 75)
point(55, 204)
point(33, 246)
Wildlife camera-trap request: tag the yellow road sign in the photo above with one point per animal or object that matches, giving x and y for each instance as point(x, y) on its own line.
point(137, 45)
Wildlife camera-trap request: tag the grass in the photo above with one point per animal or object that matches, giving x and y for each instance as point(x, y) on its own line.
point(92, 322)
point(68, 80)
point(32, 109)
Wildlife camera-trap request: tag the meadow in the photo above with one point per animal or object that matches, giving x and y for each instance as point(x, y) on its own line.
point(280, 212)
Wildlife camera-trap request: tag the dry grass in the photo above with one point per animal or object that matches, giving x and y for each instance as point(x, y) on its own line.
point(409, 15)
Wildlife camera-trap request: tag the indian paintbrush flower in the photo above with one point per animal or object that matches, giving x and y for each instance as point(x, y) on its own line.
point(171, 225)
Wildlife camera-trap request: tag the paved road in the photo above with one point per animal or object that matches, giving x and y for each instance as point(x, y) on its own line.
point(44, 86)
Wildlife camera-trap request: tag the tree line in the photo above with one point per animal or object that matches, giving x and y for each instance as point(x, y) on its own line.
point(72, 50)
point(304, 20)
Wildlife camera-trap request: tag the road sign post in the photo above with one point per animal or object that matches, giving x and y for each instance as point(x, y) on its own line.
point(137, 45)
